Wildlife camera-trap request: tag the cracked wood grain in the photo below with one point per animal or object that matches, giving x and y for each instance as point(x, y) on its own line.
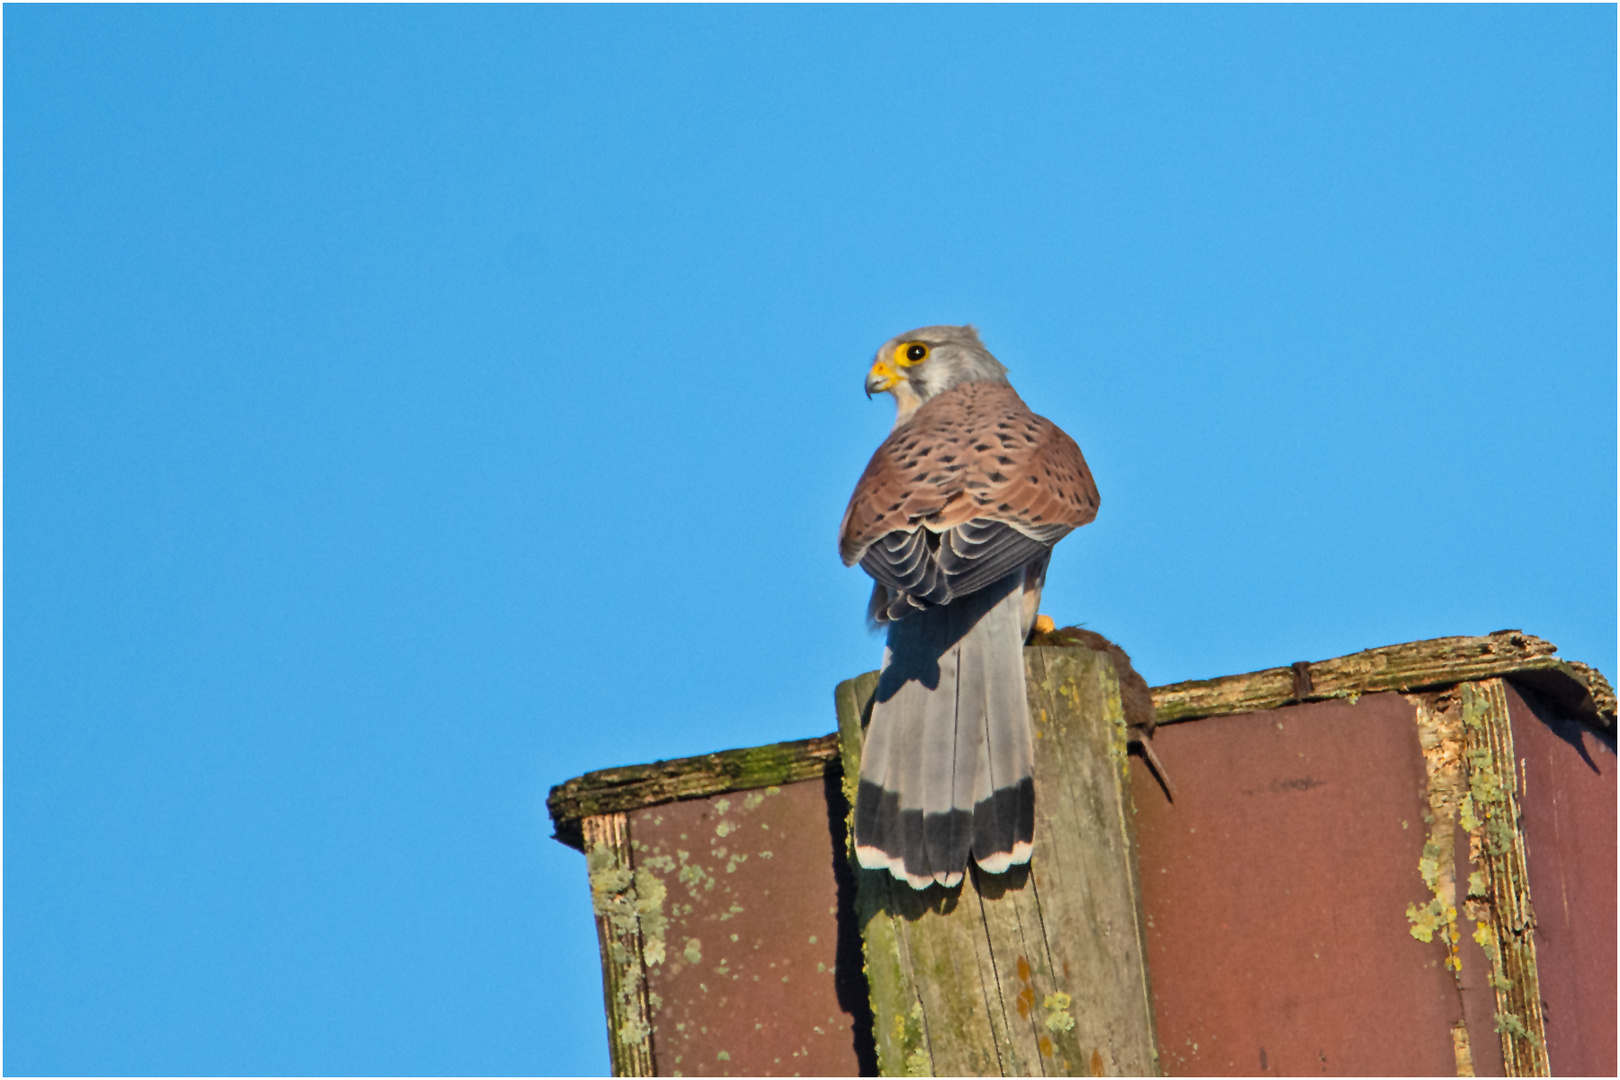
point(1041, 971)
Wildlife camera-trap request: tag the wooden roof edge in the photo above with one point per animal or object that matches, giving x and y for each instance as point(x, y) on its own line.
point(1415, 665)
point(634, 787)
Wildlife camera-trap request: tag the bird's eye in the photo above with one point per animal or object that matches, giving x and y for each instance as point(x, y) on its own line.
point(914, 353)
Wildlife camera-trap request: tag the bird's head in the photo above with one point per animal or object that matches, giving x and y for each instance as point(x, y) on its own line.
point(922, 364)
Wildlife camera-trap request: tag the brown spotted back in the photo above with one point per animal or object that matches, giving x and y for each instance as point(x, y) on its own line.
point(975, 451)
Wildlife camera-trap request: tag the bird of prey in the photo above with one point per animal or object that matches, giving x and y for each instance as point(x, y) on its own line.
point(954, 519)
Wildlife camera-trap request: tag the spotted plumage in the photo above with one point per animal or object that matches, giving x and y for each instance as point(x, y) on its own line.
point(954, 519)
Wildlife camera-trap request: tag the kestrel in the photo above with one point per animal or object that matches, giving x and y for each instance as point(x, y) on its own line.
point(954, 519)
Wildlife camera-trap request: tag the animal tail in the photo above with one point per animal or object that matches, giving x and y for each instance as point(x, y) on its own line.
point(948, 767)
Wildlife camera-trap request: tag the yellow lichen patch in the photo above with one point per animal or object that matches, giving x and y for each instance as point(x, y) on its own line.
point(1461, 1052)
point(629, 907)
point(1465, 814)
point(1485, 938)
point(1057, 1011)
point(634, 1030)
point(630, 900)
point(1509, 1024)
point(649, 904)
point(1439, 725)
point(694, 877)
point(908, 1032)
point(1429, 865)
point(1498, 898)
point(1433, 918)
point(1118, 734)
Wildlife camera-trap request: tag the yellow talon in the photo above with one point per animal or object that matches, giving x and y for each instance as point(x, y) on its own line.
point(1044, 624)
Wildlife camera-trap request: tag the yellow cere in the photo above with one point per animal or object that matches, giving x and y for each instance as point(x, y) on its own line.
point(887, 374)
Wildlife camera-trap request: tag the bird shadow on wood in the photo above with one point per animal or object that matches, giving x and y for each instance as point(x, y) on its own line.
point(995, 886)
point(881, 893)
point(849, 968)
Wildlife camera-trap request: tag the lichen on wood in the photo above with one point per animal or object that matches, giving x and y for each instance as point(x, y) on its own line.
point(1027, 1011)
point(1467, 743)
point(1499, 891)
point(1416, 665)
point(853, 699)
point(1042, 970)
point(629, 928)
point(632, 787)
point(1440, 739)
point(1439, 725)
point(1578, 689)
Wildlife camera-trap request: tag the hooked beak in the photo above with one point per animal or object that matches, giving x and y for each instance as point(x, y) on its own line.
point(882, 377)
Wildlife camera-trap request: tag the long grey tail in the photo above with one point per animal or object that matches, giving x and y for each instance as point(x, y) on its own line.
point(948, 767)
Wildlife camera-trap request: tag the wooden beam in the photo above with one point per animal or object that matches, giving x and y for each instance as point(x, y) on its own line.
point(631, 787)
point(1499, 892)
point(1416, 665)
point(619, 915)
point(1042, 970)
point(1578, 689)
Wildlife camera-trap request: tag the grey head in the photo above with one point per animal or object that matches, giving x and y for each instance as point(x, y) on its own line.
point(924, 363)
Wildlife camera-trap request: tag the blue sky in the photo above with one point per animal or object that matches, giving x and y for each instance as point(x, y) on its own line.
point(407, 409)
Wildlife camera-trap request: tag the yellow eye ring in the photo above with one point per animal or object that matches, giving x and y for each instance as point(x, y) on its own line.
point(910, 353)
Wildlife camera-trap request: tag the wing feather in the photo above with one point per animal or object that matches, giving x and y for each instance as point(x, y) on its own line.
point(971, 487)
point(935, 568)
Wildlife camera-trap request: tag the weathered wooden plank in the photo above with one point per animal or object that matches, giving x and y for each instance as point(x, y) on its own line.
point(620, 906)
point(1436, 921)
point(1567, 801)
point(1093, 925)
point(852, 700)
point(1012, 920)
point(1575, 687)
point(1499, 892)
point(1041, 971)
point(1017, 1019)
point(1467, 742)
point(631, 787)
point(897, 1026)
point(955, 991)
point(1412, 666)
